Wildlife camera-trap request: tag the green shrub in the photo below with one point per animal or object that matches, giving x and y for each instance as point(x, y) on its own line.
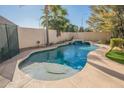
point(116, 42)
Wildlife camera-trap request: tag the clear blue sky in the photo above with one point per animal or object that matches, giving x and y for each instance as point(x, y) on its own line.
point(29, 16)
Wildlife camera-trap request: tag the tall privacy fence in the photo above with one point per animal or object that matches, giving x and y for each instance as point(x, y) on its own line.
point(9, 46)
point(30, 37)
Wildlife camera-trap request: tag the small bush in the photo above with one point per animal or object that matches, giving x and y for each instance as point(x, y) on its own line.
point(116, 42)
point(38, 43)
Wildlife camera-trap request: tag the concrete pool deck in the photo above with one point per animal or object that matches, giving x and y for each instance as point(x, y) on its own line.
point(98, 72)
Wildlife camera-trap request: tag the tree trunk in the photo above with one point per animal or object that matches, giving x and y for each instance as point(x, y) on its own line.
point(58, 33)
point(47, 34)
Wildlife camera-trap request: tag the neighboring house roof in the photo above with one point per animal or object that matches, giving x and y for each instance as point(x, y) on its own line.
point(5, 21)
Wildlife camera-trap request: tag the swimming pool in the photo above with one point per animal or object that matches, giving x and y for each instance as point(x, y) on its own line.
point(57, 63)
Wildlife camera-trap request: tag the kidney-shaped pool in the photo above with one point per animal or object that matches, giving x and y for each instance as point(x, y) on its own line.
point(58, 63)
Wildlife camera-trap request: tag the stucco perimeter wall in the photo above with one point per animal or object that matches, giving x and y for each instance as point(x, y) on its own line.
point(64, 36)
point(92, 36)
point(29, 36)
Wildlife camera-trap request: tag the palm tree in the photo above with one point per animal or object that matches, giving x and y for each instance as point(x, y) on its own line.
point(52, 18)
point(59, 24)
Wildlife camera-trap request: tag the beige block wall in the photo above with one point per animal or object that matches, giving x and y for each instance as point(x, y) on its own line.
point(64, 36)
point(92, 36)
point(29, 36)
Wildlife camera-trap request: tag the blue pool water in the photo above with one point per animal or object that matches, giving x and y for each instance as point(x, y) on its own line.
point(73, 55)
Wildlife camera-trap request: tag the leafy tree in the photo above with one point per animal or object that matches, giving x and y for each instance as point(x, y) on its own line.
point(118, 20)
point(107, 18)
point(88, 30)
point(71, 28)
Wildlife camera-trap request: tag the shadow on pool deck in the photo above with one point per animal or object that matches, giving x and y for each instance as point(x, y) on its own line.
point(7, 69)
point(108, 71)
